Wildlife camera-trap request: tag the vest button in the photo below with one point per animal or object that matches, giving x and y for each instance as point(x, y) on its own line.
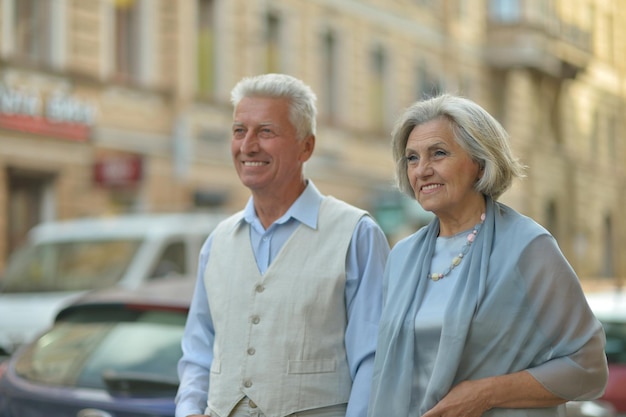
point(260, 288)
point(247, 383)
point(256, 319)
point(252, 404)
point(251, 351)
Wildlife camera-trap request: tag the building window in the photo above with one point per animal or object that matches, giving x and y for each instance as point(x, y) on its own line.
point(30, 201)
point(377, 100)
point(594, 142)
point(609, 35)
point(611, 126)
point(329, 77)
point(425, 3)
point(272, 40)
point(33, 34)
point(505, 10)
point(464, 8)
point(608, 269)
point(126, 56)
point(428, 85)
point(465, 86)
point(552, 219)
point(206, 49)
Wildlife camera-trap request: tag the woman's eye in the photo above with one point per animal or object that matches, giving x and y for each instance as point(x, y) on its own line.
point(439, 153)
point(412, 158)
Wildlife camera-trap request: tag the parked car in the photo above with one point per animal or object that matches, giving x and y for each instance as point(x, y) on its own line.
point(610, 308)
point(111, 352)
point(64, 259)
point(596, 408)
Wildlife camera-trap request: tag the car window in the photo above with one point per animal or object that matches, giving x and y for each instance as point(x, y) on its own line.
point(615, 341)
point(125, 350)
point(172, 261)
point(85, 354)
point(69, 266)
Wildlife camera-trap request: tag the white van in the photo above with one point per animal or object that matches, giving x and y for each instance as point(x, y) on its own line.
point(64, 259)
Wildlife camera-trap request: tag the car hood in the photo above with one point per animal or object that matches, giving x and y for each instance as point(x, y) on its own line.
point(24, 315)
point(609, 305)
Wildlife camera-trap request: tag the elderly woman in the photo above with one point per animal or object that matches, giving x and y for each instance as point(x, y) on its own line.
point(483, 315)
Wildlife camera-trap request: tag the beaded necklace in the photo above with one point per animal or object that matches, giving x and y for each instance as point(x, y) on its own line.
point(436, 276)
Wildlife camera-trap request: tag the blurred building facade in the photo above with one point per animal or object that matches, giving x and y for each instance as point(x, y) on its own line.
point(110, 106)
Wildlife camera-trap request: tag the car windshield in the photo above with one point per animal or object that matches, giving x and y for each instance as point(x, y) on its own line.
point(79, 351)
point(615, 341)
point(69, 266)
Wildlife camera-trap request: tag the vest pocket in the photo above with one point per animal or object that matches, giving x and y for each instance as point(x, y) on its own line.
point(312, 366)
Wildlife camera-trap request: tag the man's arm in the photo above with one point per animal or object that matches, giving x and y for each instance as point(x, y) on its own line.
point(365, 264)
point(195, 365)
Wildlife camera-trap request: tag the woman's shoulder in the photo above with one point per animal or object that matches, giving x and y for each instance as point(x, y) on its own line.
point(409, 242)
point(511, 222)
point(515, 233)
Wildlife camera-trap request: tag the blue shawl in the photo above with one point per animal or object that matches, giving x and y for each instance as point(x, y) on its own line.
point(518, 306)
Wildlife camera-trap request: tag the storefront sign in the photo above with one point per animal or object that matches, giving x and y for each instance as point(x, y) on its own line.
point(118, 170)
point(58, 115)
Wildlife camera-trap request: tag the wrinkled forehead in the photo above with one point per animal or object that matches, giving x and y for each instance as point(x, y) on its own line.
point(262, 108)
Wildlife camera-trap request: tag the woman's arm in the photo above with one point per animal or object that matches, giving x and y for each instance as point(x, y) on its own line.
point(559, 310)
point(473, 398)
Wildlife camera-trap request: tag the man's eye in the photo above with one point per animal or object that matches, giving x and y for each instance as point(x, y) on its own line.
point(238, 132)
point(266, 133)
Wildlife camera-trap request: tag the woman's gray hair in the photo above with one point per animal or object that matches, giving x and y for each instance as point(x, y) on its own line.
point(474, 129)
point(302, 110)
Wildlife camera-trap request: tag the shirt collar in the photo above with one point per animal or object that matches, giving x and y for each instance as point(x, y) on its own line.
point(305, 209)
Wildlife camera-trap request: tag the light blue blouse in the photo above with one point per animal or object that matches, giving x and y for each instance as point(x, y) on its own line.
point(429, 317)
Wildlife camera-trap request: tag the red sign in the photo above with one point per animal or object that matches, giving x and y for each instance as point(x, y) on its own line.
point(42, 126)
point(118, 170)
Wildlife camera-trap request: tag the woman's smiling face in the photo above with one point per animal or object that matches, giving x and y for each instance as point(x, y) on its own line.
point(441, 173)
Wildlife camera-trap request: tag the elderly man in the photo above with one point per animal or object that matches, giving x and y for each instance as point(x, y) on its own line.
point(284, 318)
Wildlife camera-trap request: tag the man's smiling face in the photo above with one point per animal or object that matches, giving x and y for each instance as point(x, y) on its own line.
point(266, 152)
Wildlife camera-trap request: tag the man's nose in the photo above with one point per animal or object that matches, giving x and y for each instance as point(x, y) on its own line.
point(250, 143)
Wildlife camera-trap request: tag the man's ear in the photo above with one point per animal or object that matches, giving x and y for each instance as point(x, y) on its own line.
point(308, 145)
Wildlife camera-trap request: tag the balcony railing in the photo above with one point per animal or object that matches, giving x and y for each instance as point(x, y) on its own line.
point(545, 43)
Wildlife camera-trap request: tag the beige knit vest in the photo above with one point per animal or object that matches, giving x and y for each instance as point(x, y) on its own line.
point(279, 337)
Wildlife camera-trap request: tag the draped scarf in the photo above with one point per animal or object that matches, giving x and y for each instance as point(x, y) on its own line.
point(499, 318)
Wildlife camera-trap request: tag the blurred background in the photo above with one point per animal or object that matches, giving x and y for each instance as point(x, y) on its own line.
point(122, 106)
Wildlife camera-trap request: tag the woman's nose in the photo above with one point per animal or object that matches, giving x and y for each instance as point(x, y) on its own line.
point(423, 168)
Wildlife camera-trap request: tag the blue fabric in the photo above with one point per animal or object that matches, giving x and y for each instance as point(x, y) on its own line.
point(364, 268)
point(429, 317)
point(518, 305)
